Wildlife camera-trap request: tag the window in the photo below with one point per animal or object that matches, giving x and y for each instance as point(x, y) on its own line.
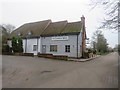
point(34, 47)
point(67, 48)
point(29, 33)
point(19, 34)
point(53, 48)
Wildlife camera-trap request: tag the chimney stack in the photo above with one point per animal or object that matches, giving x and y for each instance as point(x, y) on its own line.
point(83, 20)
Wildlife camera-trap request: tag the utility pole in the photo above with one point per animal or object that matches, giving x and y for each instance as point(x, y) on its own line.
point(119, 22)
point(118, 41)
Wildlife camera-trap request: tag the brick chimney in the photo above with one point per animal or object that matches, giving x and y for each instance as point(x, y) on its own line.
point(83, 20)
point(83, 36)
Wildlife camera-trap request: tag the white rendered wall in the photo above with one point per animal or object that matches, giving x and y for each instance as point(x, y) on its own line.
point(72, 41)
point(24, 41)
point(9, 43)
point(30, 43)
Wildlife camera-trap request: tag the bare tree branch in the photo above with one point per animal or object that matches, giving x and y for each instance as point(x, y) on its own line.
point(111, 10)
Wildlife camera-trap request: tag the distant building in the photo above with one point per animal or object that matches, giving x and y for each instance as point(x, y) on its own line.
point(57, 38)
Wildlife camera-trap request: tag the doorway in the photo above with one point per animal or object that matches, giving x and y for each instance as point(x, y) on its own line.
point(43, 48)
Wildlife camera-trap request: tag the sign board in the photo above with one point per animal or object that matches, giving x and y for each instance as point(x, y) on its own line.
point(60, 38)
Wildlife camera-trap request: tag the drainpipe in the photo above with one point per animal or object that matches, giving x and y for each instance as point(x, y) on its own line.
point(26, 46)
point(77, 45)
point(37, 44)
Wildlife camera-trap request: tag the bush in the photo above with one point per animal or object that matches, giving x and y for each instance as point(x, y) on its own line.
point(90, 51)
point(94, 51)
point(86, 55)
point(5, 48)
point(119, 49)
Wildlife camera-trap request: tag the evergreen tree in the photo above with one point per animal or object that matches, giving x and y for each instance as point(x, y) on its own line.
point(14, 44)
point(20, 45)
point(17, 44)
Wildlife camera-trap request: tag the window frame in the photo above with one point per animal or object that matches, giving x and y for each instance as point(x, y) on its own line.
point(53, 48)
point(35, 47)
point(67, 48)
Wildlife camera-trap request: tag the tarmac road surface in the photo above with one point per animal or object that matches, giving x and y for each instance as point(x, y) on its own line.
point(34, 72)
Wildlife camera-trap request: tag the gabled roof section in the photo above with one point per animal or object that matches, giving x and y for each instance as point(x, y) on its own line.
point(73, 27)
point(35, 28)
point(54, 28)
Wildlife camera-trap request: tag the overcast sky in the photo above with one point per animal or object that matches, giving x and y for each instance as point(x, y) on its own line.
point(18, 12)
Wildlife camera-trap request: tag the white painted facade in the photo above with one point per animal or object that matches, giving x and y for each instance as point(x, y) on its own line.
point(75, 42)
point(28, 45)
point(75, 48)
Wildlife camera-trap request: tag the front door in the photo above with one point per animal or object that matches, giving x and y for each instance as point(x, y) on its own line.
point(43, 48)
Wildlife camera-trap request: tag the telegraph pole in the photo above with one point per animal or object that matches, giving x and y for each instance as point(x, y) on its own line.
point(118, 42)
point(119, 22)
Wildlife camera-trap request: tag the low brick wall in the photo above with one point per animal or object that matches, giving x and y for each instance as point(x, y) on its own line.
point(28, 54)
point(45, 55)
point(7, 53)
point(18, 54)
point(60, 57)
point(53, 56)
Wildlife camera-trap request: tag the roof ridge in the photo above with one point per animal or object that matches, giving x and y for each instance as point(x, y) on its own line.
point(37, 22)
point(60, 21)
point(46, 27)
point(74, 22)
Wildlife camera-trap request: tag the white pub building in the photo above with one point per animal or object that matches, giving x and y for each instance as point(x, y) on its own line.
point(57, 38)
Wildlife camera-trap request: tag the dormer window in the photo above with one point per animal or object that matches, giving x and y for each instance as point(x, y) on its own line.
point(19, 34)
point(29, 33)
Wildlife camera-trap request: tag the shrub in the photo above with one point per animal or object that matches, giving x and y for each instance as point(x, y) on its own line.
point(5, 48)
point(119, 49)
point(94, 51)
point(86, 55)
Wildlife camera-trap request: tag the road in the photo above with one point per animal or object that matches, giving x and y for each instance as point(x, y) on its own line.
point(0, 71)
point(34, 72)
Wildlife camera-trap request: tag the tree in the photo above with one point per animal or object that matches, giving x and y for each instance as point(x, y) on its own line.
point(3, 39)
point(99, 42)
point(111, 10)
point(17, 44)
point(9, 27)
point(5, 30)
point(20, 45)
point(119, 49)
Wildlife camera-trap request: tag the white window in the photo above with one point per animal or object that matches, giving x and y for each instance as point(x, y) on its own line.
point(29, 33)
point(53, 48)
point(34, 47)
point(67, 48)
point(19, 34)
